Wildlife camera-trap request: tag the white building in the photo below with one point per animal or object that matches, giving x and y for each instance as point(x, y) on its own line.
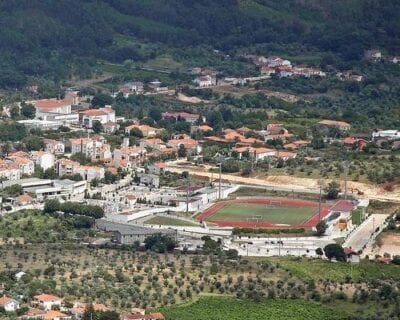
point(102, 115)
point(95, 149)
point(9, 171)
point(47, 301)
point(54, 146)
point(9, 304)
point(206, 81)
point(89, 173)
point(43, 159)
point(386, 134)
point(26, 165)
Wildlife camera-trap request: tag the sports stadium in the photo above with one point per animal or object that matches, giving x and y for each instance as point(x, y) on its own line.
point(265, 213)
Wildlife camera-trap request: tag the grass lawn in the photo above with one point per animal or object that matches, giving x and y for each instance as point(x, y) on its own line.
point(277, 215)
point(167, 221)
point(221, 308)
point(356, 217)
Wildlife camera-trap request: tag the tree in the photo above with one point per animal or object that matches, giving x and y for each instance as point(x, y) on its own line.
point(97, 127)
point(182, 151)
point(159, 243)
point(336, 251)
point(28, 110)
point(332, 190)
point(155, 114)
point(101, 100)
point(14, 112)
point(319, 252)
point(51, 206)
point(321, 228)
point(33, 143)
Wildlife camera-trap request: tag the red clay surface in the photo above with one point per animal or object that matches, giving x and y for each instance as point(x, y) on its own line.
point(312, 222)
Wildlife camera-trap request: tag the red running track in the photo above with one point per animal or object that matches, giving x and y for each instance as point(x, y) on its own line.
point(312, 222)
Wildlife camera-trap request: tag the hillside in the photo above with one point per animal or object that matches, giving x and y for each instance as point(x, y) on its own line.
point(55, 39)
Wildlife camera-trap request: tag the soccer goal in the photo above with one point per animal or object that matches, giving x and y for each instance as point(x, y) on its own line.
point(274, 204)
point(255, 219)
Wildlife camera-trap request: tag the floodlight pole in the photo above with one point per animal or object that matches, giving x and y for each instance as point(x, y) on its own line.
point(219, 185)
point(319, 203)
point(187, 191)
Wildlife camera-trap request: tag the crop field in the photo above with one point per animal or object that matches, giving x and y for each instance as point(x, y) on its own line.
point(221, 308)
point(265, 213)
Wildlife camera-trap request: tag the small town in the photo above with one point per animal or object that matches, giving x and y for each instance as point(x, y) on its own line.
point(199, 161)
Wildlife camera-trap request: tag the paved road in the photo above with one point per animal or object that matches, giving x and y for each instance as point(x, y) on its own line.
point(362, 235)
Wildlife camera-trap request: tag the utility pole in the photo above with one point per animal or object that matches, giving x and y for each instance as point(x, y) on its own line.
point(219, 186)
point(346, 172)
point(319, 203)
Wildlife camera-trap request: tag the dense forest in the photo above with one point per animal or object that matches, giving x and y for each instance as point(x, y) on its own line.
point(45, 39)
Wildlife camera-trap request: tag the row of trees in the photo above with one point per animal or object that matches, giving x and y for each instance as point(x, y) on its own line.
point(73, 208)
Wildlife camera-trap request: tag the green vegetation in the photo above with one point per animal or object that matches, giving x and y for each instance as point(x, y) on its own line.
point(167, 221)
point(272, 214)
point(73, 208)
point(219, 308)
point(33, 226)
point(356, 217)
point(317, 269)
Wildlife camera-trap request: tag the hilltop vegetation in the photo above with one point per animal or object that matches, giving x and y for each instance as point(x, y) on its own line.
point(56, 40)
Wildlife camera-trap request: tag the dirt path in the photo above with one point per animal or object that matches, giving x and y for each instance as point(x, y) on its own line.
point(296, 184)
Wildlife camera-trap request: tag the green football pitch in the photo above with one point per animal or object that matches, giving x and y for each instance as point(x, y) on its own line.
point(264, 213)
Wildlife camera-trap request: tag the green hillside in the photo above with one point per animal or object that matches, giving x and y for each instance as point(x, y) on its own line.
point(57, 39)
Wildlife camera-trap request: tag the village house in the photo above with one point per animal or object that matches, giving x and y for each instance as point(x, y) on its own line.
point(373, 54)
point(110, 127)
point(275, 62)
point(206, 81)
point(23, 200)
point(147, 131)
point(386, 134)
point(157, 168)
point(134, 155)
point(299, 144)
point(191, 145)
point(257, 154)
point(9, 304)
point(66, 167)
point(94, 148)
point(79, 309)
point(267, 70)
point(25, 165)
point(102, 115)
point(54, 146)
point(130, 88)
point(202, 128)
point(341, 125)
point(355, 143)
point(45, 160)
point(185, 116)
point(9, 171)
point(90, 173)
point(47, 301)
point(349, 76)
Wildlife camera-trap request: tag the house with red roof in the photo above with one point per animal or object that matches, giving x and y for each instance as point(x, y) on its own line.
point(355, 143)
point(258, 154)
point(102, 115)
point(9, 304)
point(185, 116)
point(47, 301)
point(341, 125)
